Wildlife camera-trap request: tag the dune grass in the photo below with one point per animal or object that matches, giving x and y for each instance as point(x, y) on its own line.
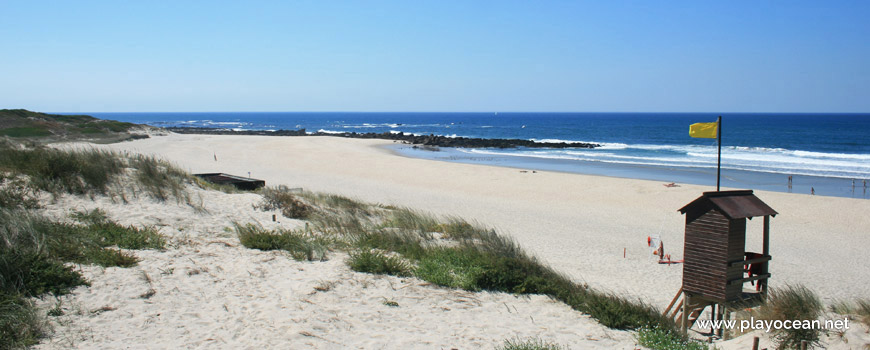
point(451, 253)
point(858, 310)
point(20, 323)
point(792, 302)
point(56, 171)
point(15, 192)
point(161, 179)
point(378, 263)
point(530, 344)
point(301, 246)
point(288, 202)
point(33, 253)
point(89, 172)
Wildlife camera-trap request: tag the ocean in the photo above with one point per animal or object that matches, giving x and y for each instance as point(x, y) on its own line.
point(824, 153)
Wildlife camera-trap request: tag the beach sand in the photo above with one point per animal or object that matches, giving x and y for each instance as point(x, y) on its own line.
point(591, 228)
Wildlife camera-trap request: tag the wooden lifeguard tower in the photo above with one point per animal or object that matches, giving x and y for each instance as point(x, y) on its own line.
point(715, 258)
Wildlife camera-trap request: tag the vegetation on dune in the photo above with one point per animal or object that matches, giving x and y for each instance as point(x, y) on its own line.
point(21, 123)
point(529, 344)
point(281, 198)
point(86, 172)
point(299, 245)
point(56, 171)
point(35, 251)
point(792, 302)
point(452, 253)
point(666, 339)
point(379, 263)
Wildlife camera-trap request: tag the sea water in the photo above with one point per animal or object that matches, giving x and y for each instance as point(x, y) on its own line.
point(823, 153)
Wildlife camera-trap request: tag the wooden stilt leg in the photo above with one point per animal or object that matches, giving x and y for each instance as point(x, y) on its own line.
point(684, 318)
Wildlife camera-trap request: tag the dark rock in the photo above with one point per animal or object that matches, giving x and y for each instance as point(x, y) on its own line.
point(425, 140)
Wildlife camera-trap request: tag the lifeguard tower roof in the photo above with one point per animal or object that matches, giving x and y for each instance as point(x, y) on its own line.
point(733, 204)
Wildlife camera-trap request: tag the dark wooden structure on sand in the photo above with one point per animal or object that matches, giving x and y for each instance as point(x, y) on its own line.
point(715, 258)
point(242, 183)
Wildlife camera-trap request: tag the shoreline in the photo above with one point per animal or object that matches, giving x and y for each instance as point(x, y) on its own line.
point(579, 224)
point(705, 177)
point(424, 146)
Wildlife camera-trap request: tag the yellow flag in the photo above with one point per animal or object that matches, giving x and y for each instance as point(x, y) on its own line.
point(703, 130)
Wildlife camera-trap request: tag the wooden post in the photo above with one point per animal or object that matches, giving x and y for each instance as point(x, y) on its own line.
point(765, 250)
point(755, 343)
point(803, 345)
point(713, 316)
point(719, 161)
point(684, 318)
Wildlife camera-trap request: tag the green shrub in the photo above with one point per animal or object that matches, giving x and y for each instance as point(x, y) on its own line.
point(792, 303)
point(32, 274)
point(660, 339)
point(378, 263)
point(108, 257)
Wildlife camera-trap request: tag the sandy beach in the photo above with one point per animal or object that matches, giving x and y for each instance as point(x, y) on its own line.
point(579, 224)
point(214, 293)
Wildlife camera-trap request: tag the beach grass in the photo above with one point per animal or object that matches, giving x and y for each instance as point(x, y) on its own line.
point(530, 344)
point(15, 192)
point(161, 179)
point(452, 253)
point(283, 199)
point(792, 302)
point(21, 325)
point(88, 172)
point(301, 246)
point(61, 171)
point(858, 309)
point(33, 255)
point(378, 263)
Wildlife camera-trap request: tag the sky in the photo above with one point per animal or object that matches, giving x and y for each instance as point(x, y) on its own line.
point(531, 56)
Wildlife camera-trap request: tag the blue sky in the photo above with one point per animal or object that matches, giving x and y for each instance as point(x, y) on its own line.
point(602, 56)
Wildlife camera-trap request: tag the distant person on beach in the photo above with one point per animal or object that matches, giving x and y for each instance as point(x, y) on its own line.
point(813, 191)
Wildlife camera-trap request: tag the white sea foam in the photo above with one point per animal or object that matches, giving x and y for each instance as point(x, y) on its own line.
point(760, 159)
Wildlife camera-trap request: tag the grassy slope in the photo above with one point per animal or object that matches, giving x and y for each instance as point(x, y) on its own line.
point(21, 123)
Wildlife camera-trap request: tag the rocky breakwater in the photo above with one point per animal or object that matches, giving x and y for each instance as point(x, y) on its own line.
point(424, 140)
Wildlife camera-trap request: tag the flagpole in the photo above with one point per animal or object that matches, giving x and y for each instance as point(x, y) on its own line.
point(719, 163)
